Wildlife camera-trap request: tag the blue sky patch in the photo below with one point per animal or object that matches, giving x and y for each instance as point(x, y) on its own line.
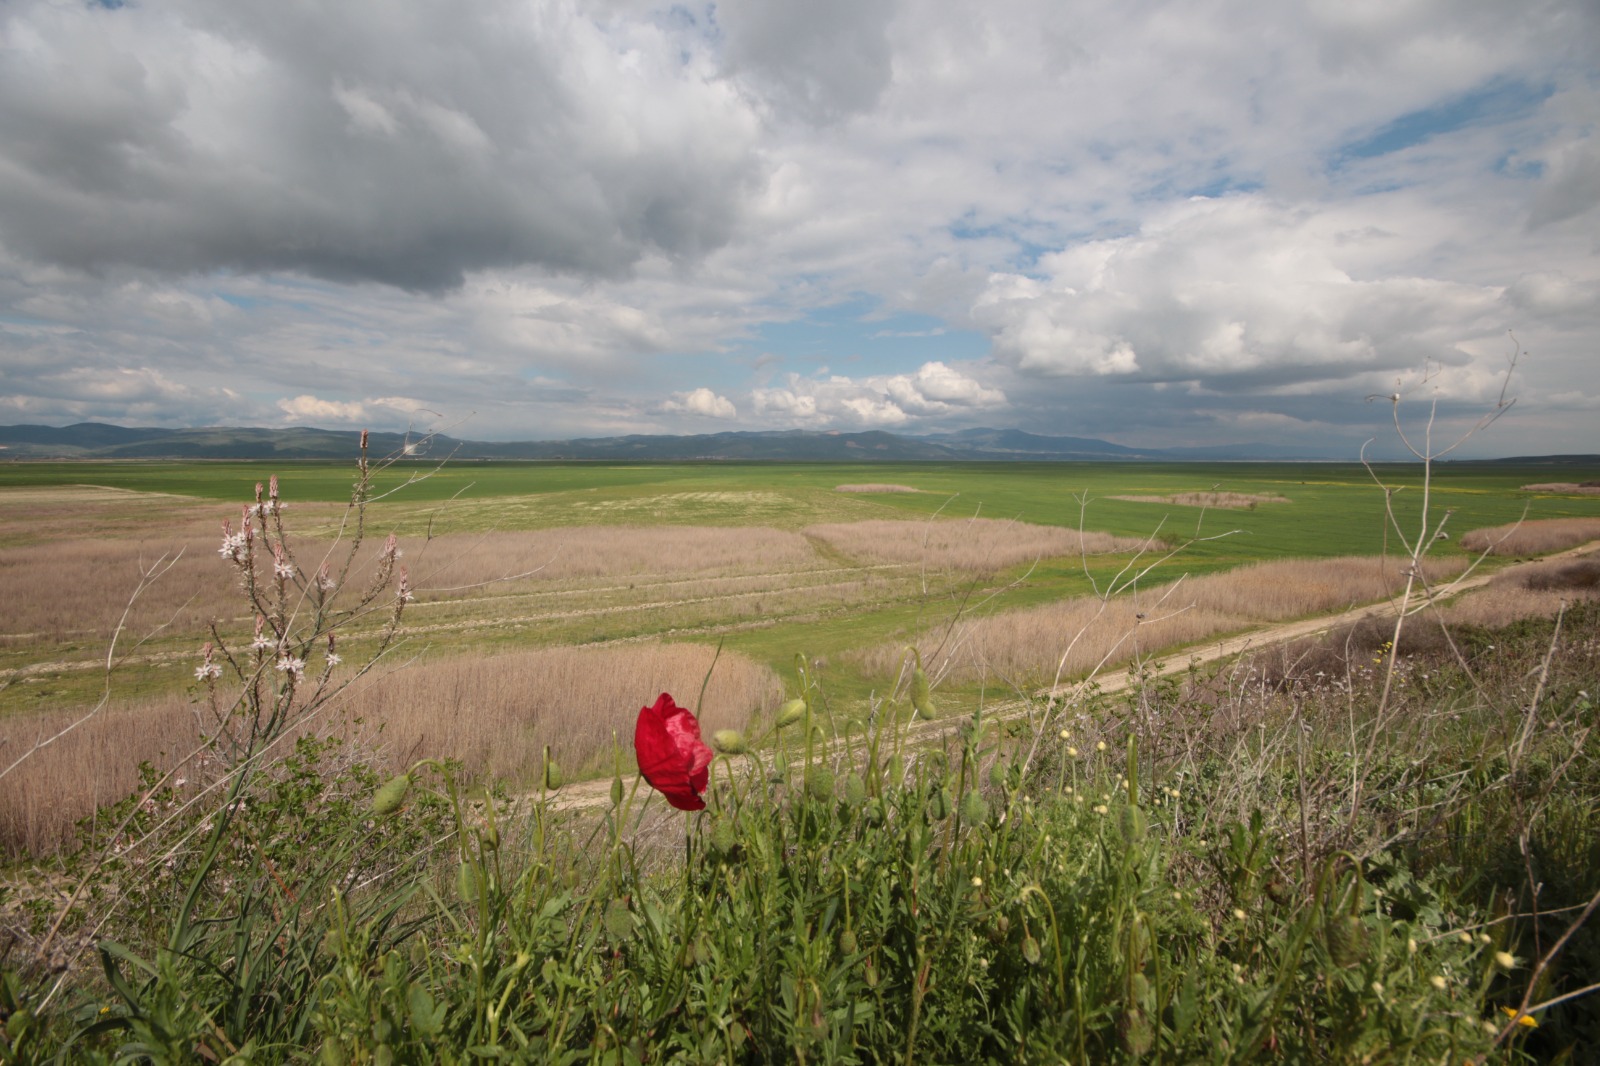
point(1491, 105)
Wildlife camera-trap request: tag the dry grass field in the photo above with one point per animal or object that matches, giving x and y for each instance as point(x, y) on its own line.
point(493, 713)
point(1532, 590)
point(973, 545)
point(1566, 488)
point(1027, 648)
point(1533, 537)
point(874, 487)
point(1230, 501)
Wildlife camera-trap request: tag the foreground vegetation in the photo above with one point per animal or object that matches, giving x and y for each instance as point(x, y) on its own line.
point(1380, 846)
point(1272, 861)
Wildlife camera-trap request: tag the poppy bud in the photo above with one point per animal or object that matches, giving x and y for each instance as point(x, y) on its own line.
point(939, 805)
point(819, 783)
point(1132, 822)
point(974, 809)
point(553, 777)
point(619, 923)
point(728, 741)
point(790, 713)
point(855, 790)
point(921, 696)
point(1030, 950)
point(388, 799)
point(616, 792)
point(997, 774)
point(723, 835)
point(491, 837)
point(847, 942)
point(467, 883)
point(870, 974)
point(1346, 940)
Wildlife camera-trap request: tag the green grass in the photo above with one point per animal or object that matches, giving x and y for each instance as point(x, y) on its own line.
point(1334, 509)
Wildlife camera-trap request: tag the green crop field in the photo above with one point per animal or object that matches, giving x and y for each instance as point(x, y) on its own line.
point(1307, 511)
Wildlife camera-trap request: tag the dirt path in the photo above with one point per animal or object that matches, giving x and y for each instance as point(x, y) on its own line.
point(584, 795)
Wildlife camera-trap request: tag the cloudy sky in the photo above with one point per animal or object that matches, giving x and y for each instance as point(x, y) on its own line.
point(1160, 223)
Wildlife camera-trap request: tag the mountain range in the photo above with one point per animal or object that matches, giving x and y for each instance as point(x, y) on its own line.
point(96, 440)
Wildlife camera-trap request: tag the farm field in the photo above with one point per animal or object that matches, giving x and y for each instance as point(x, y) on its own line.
point(1167, 836)
point(981, 568)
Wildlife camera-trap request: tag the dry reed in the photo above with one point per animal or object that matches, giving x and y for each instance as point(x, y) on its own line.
point(1566, 488)
point(1531, 591)
point(1031, 646)
point(1233, 501)
point(980, 545)
point(1534, 537)
point(495, 714)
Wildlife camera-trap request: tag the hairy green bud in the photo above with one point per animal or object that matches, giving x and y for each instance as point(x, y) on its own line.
point(391, 796)
point(791, 712)
point(728, 741)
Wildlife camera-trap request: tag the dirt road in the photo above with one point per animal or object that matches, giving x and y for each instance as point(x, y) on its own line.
point(589, 794)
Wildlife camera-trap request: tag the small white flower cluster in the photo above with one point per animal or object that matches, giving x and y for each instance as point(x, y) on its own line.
point(207, 670)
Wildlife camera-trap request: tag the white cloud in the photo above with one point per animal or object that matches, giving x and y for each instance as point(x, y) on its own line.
point(702, 402)
point(876, 401)
point(1239, 293)
point(311, 409)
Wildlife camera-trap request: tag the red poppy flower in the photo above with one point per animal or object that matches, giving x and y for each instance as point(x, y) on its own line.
point(671, 754)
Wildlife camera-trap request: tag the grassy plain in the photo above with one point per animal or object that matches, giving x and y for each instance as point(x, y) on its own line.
point(1323, 855)
point(74, 536)
point(771, 559)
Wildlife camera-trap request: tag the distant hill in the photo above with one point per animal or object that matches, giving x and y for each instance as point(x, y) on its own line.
point(95, 440)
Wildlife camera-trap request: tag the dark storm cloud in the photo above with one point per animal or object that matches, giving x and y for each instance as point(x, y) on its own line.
point(821, 60)
point(404, 143)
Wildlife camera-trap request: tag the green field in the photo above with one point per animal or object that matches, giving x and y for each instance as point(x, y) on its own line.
point(1332, 509)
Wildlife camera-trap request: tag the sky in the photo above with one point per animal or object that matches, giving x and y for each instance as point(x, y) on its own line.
point(1193, 222)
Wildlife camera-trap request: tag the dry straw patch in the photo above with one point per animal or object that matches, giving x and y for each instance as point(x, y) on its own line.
point(1071, 638)
point(70, 590)
point(979, 545)
point(1566, 488)
point(1232, 501)
point(1536, 590)
point(495, 714)
point(874, 487)
point(1538, 537)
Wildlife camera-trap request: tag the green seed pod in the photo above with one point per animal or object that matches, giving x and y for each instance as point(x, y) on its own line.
point(819, 783)
point(723, 835)
point(1131, 820)
point(389, 798)
point(1030, 950)
point(921, 694)
point(467, 883)
point(847, 942)
point(790, 713)
point(1138, 1035)
point(1346, 939)
point(19, 1025)
point(728, 741)
point(616, 792)
point(974, 809)
point(855, 790)
point(619, 923)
